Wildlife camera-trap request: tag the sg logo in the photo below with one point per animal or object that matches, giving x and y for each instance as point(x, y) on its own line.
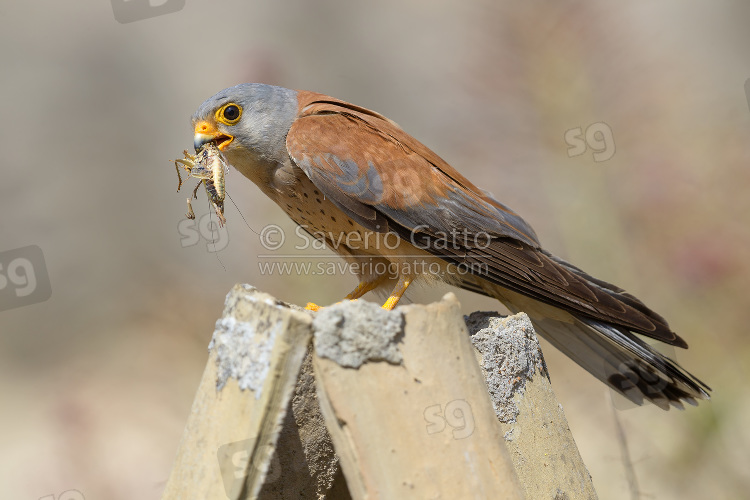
point(457, 414)
point(128, 11)
point(66, 495)
point(598, 137)
point(235, 464)
point(628, 376)
point(23, 278)
point(191, 231)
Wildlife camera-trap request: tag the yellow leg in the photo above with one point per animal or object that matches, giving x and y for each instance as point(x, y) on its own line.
point(362, 288)
point(365, 286)
point(398, 292)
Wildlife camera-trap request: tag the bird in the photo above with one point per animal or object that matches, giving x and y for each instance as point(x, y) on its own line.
point(397, 213)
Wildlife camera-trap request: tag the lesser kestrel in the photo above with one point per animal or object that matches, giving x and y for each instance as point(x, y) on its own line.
point(338, 169)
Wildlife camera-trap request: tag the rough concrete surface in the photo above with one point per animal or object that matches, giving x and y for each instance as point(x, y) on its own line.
point(243, 348)
point(510, 356)
point(351, 333)
point(424, 428)
point(544, 453)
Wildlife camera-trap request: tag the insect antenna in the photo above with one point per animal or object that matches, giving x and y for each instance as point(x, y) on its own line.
point(213, 242)
point(243, 217)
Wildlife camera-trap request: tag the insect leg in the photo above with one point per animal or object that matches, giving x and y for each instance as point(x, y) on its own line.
point(195, 191)
point(190, 214)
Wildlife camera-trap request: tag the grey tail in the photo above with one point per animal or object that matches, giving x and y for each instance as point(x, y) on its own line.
point(624, 362)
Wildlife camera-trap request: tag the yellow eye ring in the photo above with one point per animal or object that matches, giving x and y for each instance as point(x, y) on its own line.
point(229, 114)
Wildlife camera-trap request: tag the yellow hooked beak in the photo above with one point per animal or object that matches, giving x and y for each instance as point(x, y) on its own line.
point(207, 132)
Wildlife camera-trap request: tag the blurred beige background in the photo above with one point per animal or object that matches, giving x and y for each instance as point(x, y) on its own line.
point(97, 381)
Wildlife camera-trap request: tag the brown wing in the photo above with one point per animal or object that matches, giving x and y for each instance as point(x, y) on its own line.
point(387, 180)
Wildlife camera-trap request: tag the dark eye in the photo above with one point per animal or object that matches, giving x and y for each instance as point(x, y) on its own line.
point(231, 113)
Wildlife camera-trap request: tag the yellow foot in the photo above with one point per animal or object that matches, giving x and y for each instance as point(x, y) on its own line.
point(391, 303)
point(398, 292)
point(315, 307)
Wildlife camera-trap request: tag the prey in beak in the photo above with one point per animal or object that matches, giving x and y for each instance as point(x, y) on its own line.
point(206, 132)
point(209, 166)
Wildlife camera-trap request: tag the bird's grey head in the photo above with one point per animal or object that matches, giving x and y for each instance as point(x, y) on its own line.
point(249, 122)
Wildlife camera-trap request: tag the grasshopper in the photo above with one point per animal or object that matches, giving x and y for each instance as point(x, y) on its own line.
point(209, 167)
